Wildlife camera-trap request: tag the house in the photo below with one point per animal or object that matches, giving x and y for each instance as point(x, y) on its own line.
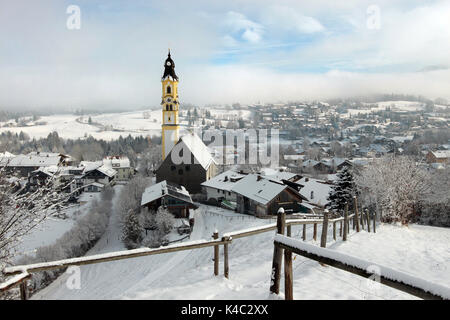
point(258, 196)
point(188, 164)
point(315, 191)
point(439, 156)
point(219, 187)
point(170, 195)
point(122, 165)
point(25, 164)
point(98, 173)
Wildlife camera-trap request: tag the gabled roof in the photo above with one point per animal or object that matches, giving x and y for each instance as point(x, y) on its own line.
point(162, 189)
point(441, 154)
point(224, 181)
point(258, 188)
point(107, 171)
point(35, 160)
point(197, 148)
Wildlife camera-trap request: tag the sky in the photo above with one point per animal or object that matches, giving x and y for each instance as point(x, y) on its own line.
point(224, 51)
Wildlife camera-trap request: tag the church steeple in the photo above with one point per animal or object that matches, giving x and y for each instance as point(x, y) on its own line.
point(169, 68)
point(170, 106)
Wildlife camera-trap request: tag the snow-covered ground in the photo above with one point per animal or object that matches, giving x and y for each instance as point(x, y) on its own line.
point(419, 250)
point(107, 126)
point(53, 228)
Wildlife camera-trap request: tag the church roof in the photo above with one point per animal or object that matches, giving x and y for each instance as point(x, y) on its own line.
point(169, 69)
point(198, 149)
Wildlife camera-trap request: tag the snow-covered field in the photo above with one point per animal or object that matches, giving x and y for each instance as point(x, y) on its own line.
point(419, 250)
point(107, 126)
point(393, 105)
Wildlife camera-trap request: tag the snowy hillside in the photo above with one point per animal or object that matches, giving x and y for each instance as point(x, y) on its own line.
point(418, 250)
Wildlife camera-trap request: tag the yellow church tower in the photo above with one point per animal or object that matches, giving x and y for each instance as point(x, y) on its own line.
point(170, 107)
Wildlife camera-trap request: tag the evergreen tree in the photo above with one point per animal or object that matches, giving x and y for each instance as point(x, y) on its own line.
point(343, 191)
point(132, 231)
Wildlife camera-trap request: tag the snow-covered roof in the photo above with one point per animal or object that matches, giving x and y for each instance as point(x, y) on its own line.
point(34, 160)
point(320, 190)
point(6, 154)
point(441, 154)
point(90, 165)
point(279, 175)
point(163, 188)
point(258, 188)
point(107, 171)
point(116, 162)
point(224, 181)
point(309, 163)
point(198, 149)
point(294, 156)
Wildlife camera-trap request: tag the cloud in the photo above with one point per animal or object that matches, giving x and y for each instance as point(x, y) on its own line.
point(287, 18)
point(247, 29)
point(224, 52)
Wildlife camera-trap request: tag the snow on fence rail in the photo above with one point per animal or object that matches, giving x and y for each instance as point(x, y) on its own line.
point(111, 256)
point(387, 276)
point(25, 271)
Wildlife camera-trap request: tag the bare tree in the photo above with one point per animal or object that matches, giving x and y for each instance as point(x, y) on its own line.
point(22, 210)
point(395, 186)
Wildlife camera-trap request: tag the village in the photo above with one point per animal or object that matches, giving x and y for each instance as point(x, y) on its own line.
point(163, 192)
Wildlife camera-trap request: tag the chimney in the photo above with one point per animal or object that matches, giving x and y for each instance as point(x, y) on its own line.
point(226, 179)
point(258, 178)
point(306, 179)
point(312, 195)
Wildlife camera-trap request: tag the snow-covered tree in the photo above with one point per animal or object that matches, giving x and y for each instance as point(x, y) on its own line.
point(164, 220)
point(395, 186)
point(21, 211)
point(342, 191)
point(132, 231)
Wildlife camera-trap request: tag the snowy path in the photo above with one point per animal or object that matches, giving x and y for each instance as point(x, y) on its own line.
point(421, 251)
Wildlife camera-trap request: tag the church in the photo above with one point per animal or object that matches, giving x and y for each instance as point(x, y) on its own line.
point(186, 159)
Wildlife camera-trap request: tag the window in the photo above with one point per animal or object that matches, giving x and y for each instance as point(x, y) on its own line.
point(180, 172)
point(170, 107)
point(172, 168)
point(169, 89)
point(188, 168)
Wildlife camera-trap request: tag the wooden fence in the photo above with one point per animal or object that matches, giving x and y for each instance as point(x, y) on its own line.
point(25, 271)
point(387, 276)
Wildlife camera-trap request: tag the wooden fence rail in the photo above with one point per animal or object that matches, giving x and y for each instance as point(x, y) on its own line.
point(25, 271)
point(386, 276)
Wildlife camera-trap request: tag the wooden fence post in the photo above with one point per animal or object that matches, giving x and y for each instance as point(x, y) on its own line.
point(288, 285)
point(225, 258)
point(23, 290)
point(374, 221)
point(344, 236)
point(216, 254)
point(334, 230)
point(368, 221)
point(315, 232)
point(277, 255)
point(304, 232)
point(355, 203)
point(323, 238)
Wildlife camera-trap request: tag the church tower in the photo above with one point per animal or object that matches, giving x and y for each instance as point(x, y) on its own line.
point(170, 107)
